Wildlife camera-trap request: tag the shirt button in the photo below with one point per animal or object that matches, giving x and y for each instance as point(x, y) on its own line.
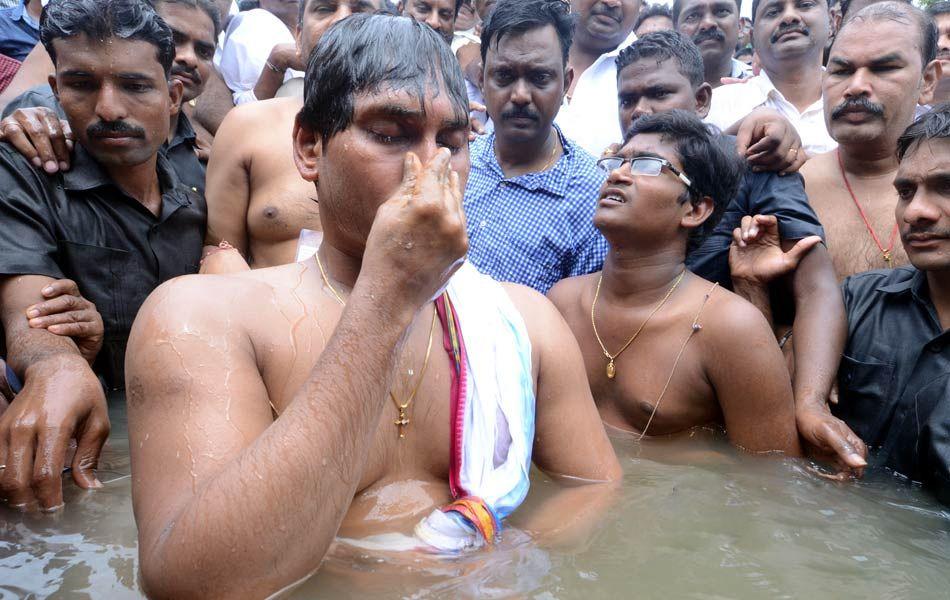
point(935, 347)
point(482, 224)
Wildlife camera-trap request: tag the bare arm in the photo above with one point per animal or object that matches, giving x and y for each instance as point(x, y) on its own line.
point(35, 70)
point(750, 378)
point(61, 399)
point(282, 57)
point(228, 182)
point(214, 104)
point(227, 503)
point(570, 443)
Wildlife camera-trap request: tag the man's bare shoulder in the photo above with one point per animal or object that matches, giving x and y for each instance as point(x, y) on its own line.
point(543, 320)
point(731, 324)
point(566, 293)
point(259, 118)
point(819, 168)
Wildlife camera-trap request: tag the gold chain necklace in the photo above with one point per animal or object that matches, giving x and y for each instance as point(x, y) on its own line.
point(611, 367)
point(403, 421)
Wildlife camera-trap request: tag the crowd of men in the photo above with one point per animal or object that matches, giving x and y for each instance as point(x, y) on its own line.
point(541, 222)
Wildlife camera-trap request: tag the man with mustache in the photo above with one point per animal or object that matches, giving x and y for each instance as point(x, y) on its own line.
point(871, 91)
point(530, 196)
point(437, 14)
point(713, 25)
point(604, 28)
point(940, 11)
point(118, 223)
point(790, 36)
point(256, 199)
point(35, 124)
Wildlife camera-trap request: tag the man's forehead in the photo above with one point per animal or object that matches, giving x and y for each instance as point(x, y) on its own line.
point(535, 46)
point(410, 103)
point(650, 144)
point(873, 40)
point(649, 71)
point(188, 20)
point(925, 159)
point(692, 4)
point(111, 55)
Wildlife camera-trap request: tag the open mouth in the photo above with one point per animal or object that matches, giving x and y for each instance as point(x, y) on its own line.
point(613, 197)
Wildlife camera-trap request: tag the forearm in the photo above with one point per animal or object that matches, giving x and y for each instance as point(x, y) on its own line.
point(287, 492)
point(820, 328)
point(269, 82)
point(570, 515)
point(29, 350)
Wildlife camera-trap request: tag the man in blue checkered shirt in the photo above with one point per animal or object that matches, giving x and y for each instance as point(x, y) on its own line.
point(532, 192)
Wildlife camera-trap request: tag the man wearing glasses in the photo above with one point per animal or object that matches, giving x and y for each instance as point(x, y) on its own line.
point(659, 342)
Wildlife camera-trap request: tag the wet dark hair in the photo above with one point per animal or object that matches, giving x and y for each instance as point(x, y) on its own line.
point(709, 160)
point(105, 19)
point(515, 17)
point(931, 126)
point(664, 45)
point(900, 12)
point(939, 8)
point(362, 53)
point(652, 10)
point(678, 7)
point(205, 6)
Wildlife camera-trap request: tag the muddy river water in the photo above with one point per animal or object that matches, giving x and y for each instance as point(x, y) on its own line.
point(692, 521)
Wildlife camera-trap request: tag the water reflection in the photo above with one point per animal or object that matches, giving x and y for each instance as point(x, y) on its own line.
point(693, 520)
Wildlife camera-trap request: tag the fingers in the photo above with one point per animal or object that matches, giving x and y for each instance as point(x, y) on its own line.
point(15, 478)
point(848, 447)
point(801, 157)
point(476, 107)
point(47, 480)
point(61, 287)
point(58, 305)
point(38, 128)
point(801, 248)
point(91, 439)
point(57, 139)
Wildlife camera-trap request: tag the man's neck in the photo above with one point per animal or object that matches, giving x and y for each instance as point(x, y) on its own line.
point(637, 278)
point(716, 71)
point(869, 160)
point(341, 268)
point(139, 182)
point(938, 283)
point(34, 8)
point(799, 83)
point(528, 157)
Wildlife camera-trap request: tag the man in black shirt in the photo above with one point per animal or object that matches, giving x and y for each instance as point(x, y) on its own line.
point(663, 71)
point(894, 379)
point(119, 223)
point(34, 121)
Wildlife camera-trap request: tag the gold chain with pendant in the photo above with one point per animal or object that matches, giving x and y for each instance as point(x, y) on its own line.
point(611, 366)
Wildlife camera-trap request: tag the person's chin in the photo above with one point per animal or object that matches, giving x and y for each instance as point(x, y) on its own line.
point(850, 133)
point(519, 130)
point(122, 152)
point(603, 27)
point(933, 255)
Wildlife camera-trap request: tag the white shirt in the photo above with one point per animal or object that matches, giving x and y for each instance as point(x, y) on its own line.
point(250, 37)
point(592, 117)
point(730, 103)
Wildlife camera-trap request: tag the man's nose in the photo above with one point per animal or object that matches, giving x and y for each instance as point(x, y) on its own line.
point(185, 54)
point(520, 94)
point(109, 105)
point(433, 21)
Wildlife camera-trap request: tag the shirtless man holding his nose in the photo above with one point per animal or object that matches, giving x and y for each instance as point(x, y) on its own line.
point(271, 409)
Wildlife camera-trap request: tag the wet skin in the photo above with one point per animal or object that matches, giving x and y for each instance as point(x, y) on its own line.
point(745, 387)
point(278, 336)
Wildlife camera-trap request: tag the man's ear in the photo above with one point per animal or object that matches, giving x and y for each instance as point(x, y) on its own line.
point(932, 74)
point(308, 150)
point(568, 80)
point(696, 213)
point(703, 97)
point(176, 93)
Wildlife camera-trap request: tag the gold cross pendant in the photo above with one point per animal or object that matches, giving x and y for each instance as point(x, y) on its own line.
point(402, 422)
point(887, 258)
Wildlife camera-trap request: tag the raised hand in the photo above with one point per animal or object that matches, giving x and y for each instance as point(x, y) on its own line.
point(756, 253)
point(770, 143)
point(40, 136)
point(418, 237)
point(65, 312)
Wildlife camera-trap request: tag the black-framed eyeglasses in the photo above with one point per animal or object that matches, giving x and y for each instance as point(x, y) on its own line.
point(651, 166)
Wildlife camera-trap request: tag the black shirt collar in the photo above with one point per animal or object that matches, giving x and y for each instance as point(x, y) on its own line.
point(86, 174)
point(184, 132)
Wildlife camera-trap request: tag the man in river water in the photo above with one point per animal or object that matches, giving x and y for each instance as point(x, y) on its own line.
point(272, 409)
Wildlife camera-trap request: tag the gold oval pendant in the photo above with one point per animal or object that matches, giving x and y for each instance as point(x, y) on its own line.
point(611, 370)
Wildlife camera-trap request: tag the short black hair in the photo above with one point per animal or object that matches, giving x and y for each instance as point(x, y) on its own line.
point(363, 53)
point(678, 7)
point(939, 8)
point(205, 6)
point(709, 160)
point(106, 19)
point(653, 10)
point(747, 49)
point(515, 17)
point(931, 126)
point(664, 45)
point(900, 12)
